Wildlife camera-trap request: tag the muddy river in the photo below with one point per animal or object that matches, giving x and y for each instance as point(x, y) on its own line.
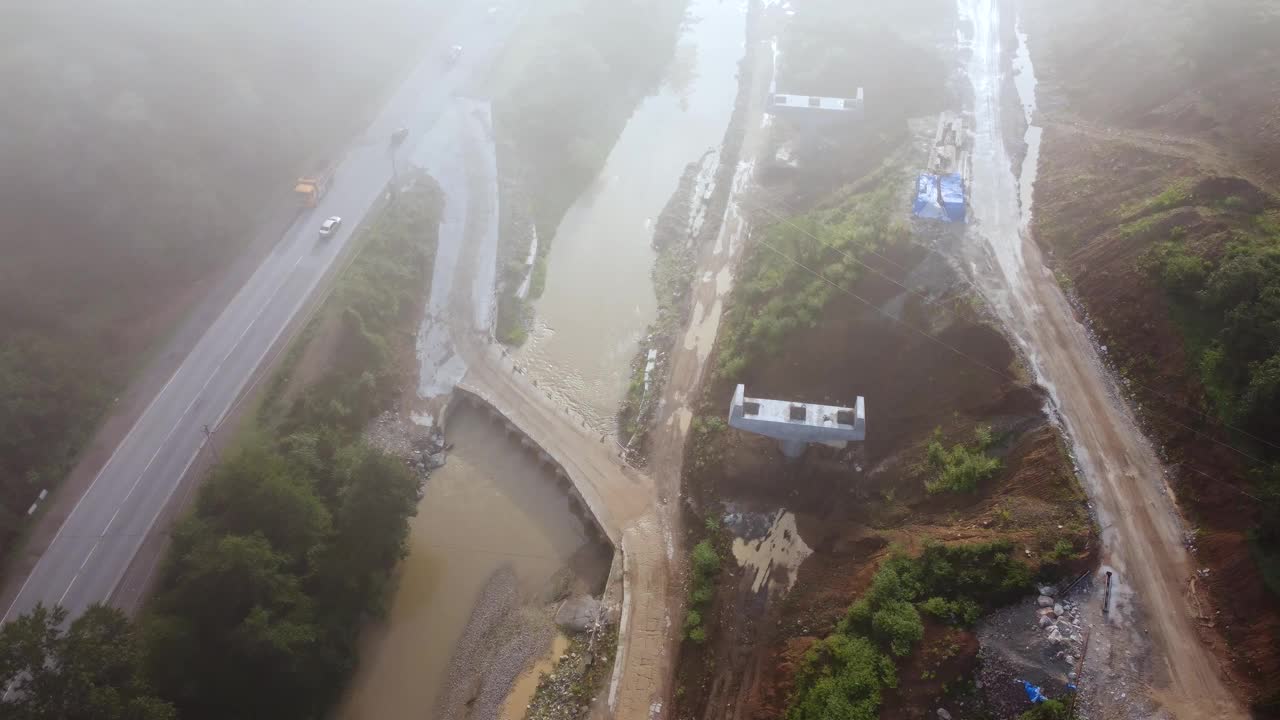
point(599, 296)
point(491, 506)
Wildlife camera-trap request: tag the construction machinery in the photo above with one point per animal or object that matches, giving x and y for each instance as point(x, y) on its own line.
point(310, 188)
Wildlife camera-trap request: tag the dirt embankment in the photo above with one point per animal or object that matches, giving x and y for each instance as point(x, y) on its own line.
point(852, 506)
point(1169, 138)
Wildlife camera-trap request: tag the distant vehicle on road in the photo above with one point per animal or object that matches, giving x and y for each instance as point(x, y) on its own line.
point(451, 58)
point(310, 188)
point(330, 226)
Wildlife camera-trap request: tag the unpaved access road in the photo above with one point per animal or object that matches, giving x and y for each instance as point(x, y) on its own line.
point(1148, 644)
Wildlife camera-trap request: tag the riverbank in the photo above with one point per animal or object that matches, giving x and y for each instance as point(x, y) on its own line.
point(600, 297)
point(692, 221)
point(496, 541)
point(565, 89)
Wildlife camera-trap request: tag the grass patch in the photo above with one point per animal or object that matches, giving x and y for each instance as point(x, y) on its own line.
point(962, 467)
point(704, 566)
point(1227, 309)
point(1176, 195)
point(843, 675)
point(775, 297)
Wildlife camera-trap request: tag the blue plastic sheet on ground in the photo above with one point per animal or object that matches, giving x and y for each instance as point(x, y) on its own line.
point(1033, 692)
point(926, 204)
point(952, 194)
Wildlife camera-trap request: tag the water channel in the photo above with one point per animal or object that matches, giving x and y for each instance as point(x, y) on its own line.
point(599, 296)
point(491, 506)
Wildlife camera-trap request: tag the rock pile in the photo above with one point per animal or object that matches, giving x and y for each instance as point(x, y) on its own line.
point(559, 694)
point(422, 448)
point(1060, 622)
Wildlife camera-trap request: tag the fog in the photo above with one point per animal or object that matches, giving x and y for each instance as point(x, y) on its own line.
point(143, 137)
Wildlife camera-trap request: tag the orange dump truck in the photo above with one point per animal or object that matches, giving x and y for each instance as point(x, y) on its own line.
point(310, 188)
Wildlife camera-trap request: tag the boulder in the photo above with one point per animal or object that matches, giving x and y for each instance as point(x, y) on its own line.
point(943, 714)
point(1057, 609)
point(1049, 590)
point(1045, 601)
point(578, 613)
point(1045, 621)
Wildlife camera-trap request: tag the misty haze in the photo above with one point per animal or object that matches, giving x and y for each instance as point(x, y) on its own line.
point(640, 359)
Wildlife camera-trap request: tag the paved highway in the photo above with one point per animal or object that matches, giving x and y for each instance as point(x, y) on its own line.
point(93, 548)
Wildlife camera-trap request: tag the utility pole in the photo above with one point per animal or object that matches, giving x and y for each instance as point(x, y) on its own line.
point(208, 434)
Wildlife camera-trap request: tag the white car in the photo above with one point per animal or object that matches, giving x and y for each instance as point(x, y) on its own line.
point(330, 226)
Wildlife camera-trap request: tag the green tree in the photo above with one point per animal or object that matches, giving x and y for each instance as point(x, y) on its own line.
point(257, 491)
point(91, 670)
point(841, 678)
point(376, 497)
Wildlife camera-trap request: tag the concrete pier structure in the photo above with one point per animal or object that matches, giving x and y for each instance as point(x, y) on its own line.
point(795, 425)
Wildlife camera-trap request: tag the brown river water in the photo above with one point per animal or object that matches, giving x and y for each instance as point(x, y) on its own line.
point(599, 296)
point(492, 505)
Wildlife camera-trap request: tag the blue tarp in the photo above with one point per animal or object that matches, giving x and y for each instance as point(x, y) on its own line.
point(1033, 692)
point(939, 198)
point(926, 203)
point(952, 192)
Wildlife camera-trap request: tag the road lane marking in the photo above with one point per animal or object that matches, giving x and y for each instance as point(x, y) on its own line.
point(113, 518)
point(64, 592)
point(138, 422)
point(92, 550)
point(103, 469)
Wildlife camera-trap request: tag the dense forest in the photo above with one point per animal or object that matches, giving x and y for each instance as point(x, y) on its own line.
point(292, 540)
point(145, 143)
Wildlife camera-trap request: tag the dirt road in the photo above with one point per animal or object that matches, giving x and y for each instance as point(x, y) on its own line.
point(1149, 641)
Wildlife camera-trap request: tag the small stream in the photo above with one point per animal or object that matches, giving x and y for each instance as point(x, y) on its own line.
point(599, 296)
point(491, 505)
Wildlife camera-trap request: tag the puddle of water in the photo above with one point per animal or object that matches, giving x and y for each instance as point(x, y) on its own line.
point(599, 297)
point(490, 506)
point(1025, 82)
point(527, 684)
point(779, 551)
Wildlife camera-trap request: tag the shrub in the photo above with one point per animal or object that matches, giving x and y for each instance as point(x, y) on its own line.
point(898, 625)
point(1047, 710)
point(842, 675)
point(704, 564)
point(961, 468)
point(841, 678)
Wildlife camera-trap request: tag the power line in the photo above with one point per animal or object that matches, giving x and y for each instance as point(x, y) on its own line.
point(975, 287)
point(970, 358)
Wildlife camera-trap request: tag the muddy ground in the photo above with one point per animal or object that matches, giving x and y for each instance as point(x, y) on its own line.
point(852, 506)
point(1205, 120)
